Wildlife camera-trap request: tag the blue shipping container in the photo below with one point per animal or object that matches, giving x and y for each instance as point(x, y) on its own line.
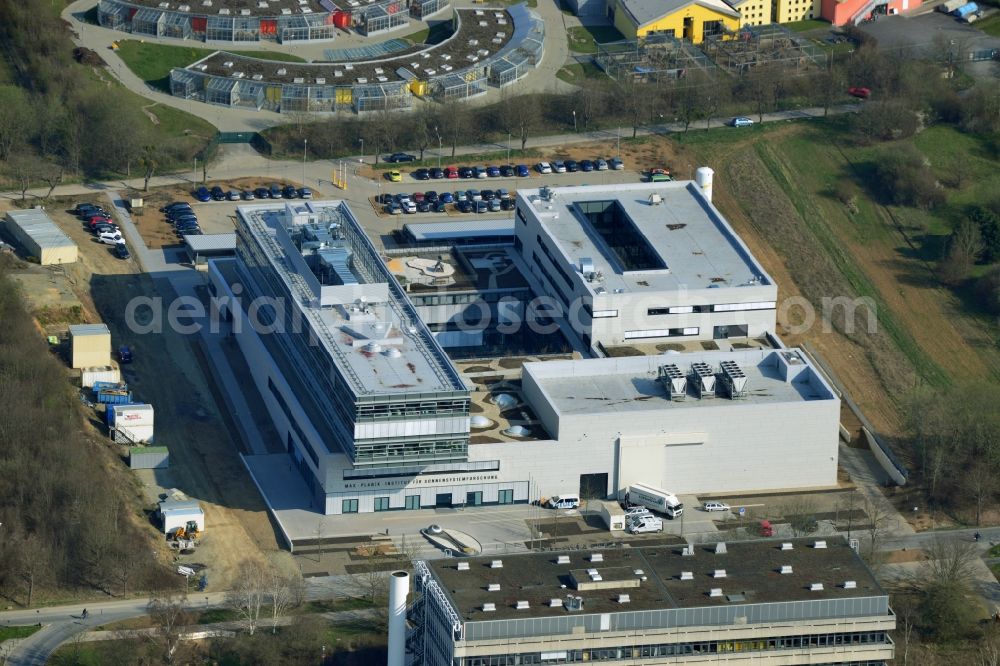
point(114, 397)
point(101, 386)
point(965, 10)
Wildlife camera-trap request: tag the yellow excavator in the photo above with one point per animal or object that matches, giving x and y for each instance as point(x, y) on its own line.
point(189, 531)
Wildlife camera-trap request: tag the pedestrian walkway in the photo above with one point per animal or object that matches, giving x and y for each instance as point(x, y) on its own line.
point(869, 478)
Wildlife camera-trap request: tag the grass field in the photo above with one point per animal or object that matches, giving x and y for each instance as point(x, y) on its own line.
point(578, 73)
point(9, 632)
point(153, 62)
point(807, 26)
point(991, 25)
point(435, 34)
point(584, 39)
point(777, 184)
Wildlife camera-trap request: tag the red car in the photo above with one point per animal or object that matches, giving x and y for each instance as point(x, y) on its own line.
point(451, 172)
point(860, 93)
point(418, 196)
point(100, 219)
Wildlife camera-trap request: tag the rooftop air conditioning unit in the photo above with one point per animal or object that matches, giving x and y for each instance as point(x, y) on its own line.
point(687, 575)
point(523, 605)
point(850, 585)
point(719, 573)
point(787, 545)
point(489, 607)
point(715, 592)
point(720, 548)
point(624, 598)
point(816, 587)
point(462, 566)
point(555, 603)
point(493, 587)
point(228, 64)
point(562, 559)
point(496, 564)
point(786, 568)
point(819, 544)
point(281, 71)
point(596, 557)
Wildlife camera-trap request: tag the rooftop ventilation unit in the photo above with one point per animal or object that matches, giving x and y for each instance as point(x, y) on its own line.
point(787, 545)
point(587, 268)
point(281, 71)
point(639, 572)
point(624, 598)
point(573, 602)
point(392, 352)
point(687, 575)
point(704, 379)
point(597, 557)
point(719, 573)
point(555, 603)
point(655, 199)
point(493, 587)
point(687, 551)
point(258, 77)
point(496, 564)
point(320, 80)
point(462, 566)
point(228, 64)
point(720, 548)
point(734, 380)
point(786, 568)
point(819, 544)
point(715, 592)
point(673, 380)
point(523, 605)
point(815, 587)
point(489, 607)
point(562, 559)
point(850, 585)
point(591, 572)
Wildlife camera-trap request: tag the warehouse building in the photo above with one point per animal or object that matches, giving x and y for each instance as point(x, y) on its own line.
point(376, 417)
point(643, 262)
point(39, 237)
point(801, 601)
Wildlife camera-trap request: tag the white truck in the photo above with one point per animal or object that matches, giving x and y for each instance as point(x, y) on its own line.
point(658, 500)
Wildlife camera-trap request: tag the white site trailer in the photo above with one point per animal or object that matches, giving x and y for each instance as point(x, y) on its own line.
point(655, 499)
point(176, 513)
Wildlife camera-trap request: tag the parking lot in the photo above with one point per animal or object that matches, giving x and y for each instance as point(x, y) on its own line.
point(928, 33)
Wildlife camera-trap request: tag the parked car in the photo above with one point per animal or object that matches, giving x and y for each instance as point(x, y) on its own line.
point(616, 163)
point(393, 208)
point(559, 166)
point(715, 506)
point(289, 192)
point(440, 207)
point(859, 92)
point(218, 194)
point(418, 197)
point(487, 195)
point(543, 167)
point(602, 165)
point(447, 197)
point(431, 195)
point(466, 172)
point(247, 195)
point(424, 206)
point(274, 191)
point(494, 205)
point(644, 524)
point(98, 219)
point(80, 207)
point(437, 173)
point(522, 171)
point(474, 195)
point(121, 251)
point(481, 206)
point(422, 174)
point(233, 195)
point(586, 165)
point(401, 197)
point(173, 206)
point(400, 157)
point(110, 237)
point(493, 171)
point(451, 172)
point(741, 121)
point(262, 193)
point(124, 352)
point(464, 206)
point(305, 193)
point(99, 229)
point(409, 207)
point(185, 228)
point(481, 172)
point(507, 171)
point(394, 176)
point(202, 194)
point(633, 511)
point(572, 166)
point(506, 204)
point(461, 195)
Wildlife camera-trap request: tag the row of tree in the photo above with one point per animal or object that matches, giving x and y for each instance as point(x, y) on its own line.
point(67, 521)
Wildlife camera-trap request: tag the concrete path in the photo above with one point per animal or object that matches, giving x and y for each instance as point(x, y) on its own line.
point(869, 477)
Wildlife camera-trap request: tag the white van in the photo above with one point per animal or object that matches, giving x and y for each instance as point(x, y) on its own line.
point(643, 524)
point(564, 502)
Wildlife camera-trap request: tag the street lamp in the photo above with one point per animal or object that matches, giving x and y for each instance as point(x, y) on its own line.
point(618, 152)
point(305, 150)
point(508, 148)
point(439, 145)
point(362, 140)
point(574, 121)
point(194, 179)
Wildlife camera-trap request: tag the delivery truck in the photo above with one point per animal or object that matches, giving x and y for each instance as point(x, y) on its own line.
point(654, 499)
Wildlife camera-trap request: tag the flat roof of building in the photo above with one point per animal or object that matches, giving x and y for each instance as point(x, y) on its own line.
point(647, 11)
point(694, 241)
point(403, 357)
point(211, 243)
point(651, 576)
point(40, 228)
point(450, 230)
point(89, 329)
point(630, 383)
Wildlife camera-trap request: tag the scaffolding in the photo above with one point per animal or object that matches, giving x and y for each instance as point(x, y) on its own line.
point(384, 17)
point(654, 59)
point(763, 45)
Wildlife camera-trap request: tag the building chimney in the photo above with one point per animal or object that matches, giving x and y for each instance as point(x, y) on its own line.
point(399, 589)
point(703, 177)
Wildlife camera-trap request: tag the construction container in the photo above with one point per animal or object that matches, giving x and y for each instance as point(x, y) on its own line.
point(950, 5)
point(131, 414)
point(91, 345)
point(966, 9)
point(107, 374)
point(113, 397)
point(101, 385)
point(175, 513)
point(148, 457)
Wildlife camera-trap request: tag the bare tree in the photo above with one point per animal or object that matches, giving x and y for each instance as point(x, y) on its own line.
point(126, 563)
point(149, 161)
point(964, 246)
point(248, 595)
point(525, 115)
point(15, 120)
point(981, 486)
point(454, 122)
point(22, 170)
point(879, 518)
point(31, 563)
point(950, 562)
point(169, 614)
point(283, 592)
point(801, 515)
point(52, 175)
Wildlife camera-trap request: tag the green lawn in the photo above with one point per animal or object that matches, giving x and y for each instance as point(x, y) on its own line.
point(584, 39)
point(7, 633)
point(991, 25)
point(435, 34)
point(153, 62)
point(807, 25)
point(578, 73)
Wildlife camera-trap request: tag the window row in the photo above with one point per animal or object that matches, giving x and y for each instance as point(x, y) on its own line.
point(412, 502)
point(718, 307)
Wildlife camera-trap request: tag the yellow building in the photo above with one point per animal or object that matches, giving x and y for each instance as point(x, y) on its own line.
point(785, 11)
point(692, 20)
point(753, 12)
point(91, 345)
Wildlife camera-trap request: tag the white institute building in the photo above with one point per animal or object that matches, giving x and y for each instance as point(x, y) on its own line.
point(644, 262)
point(377, 417)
